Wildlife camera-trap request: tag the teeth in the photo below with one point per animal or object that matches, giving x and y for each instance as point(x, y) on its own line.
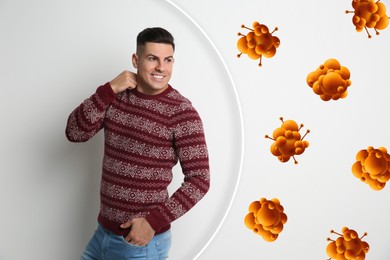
point(158, 76)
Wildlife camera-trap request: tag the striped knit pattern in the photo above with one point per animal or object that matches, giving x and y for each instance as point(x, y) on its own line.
point(145, 136)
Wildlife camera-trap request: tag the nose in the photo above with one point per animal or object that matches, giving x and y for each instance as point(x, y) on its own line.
point(160, 67)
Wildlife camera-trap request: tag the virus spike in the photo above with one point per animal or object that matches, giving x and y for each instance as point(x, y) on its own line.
point(267, 136)
point(243, 26)
point(369, 35)
point(276, 28)
point(307, 131)
point(334, 232)
point(295, 161)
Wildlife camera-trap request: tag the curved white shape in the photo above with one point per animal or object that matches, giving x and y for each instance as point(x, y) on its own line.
point(240, 117)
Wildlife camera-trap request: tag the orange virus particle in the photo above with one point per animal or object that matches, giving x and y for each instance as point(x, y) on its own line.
point(288, 141)
point(369, 14)
point(330, 80)
point(372, 166)
point(258, 42)
point(266, 218)
point(348, 246)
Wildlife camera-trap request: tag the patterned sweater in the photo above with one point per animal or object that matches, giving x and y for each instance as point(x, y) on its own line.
point(144, 138)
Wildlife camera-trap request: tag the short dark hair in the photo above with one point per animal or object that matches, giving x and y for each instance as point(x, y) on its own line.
point(156, 35)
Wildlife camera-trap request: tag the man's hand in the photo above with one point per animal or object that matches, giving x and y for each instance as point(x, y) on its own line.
point(140, 231)
point(123, 81)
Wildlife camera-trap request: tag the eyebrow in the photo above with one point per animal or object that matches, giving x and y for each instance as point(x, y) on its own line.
point(152, 55)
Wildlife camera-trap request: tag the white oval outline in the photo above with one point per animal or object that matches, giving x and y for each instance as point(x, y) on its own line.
point(241, 123)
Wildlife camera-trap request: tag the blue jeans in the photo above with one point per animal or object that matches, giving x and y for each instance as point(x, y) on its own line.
point(105, 245)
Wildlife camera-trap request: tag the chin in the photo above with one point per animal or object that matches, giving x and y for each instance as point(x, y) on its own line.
point(159, 87)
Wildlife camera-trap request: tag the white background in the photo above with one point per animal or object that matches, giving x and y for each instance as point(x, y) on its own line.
point(53, 54)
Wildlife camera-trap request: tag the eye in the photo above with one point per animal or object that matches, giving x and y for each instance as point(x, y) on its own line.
point(169, 60)
point(152, 58)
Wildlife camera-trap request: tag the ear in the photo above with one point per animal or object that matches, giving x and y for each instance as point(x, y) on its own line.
point(135, 60)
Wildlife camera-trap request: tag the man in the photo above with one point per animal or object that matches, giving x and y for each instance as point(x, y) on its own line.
point(148, 127)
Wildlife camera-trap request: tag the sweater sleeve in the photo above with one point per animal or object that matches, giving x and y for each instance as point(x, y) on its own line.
point(87, 119)
point(191, 149)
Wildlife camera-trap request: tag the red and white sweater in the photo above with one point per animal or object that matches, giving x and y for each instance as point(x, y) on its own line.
point(144, 137)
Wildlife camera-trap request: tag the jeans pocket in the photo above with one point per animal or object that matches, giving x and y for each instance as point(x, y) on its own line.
point(133, 251)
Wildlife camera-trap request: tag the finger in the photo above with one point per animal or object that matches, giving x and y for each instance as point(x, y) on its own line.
point(132, 82)
point(126, 225)
point(134, 241)
point(132, 85)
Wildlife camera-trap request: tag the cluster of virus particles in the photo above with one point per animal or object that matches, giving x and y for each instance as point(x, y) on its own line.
point(347, 246)
point(266, 218)
point(330, 80)
point(258, 43)
point(369, 14)
point(372, 166)
point(288, 141)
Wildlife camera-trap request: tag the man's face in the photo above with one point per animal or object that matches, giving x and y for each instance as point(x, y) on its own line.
point(154, 64)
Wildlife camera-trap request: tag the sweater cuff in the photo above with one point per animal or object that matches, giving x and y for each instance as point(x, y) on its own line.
point(106, 93)
point(156, 220)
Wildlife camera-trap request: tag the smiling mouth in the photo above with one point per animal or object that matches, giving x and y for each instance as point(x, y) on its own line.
point(157, 76)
